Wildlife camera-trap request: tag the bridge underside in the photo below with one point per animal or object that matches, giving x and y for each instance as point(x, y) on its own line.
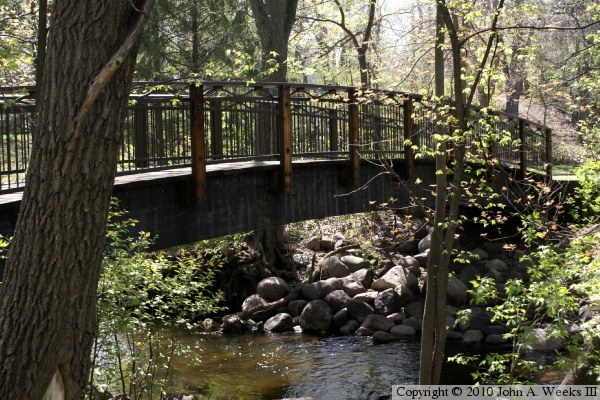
point(243, 196)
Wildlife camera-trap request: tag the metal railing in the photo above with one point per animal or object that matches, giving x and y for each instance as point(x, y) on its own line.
point(225, 121)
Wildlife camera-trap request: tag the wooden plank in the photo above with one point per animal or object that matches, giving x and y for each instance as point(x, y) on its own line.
point(353, 127)
point(409, 155)
point(198, 144)
point(284, 126)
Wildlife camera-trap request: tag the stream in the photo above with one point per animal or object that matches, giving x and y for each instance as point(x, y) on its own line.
point(292, 365)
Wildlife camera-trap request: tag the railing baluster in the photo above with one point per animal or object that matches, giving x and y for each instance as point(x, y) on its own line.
point(353, 136)
point(216, 129)
point(409, 155)
point(522, 150)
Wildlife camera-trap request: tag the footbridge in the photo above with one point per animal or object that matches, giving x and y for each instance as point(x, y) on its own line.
point(216, 158)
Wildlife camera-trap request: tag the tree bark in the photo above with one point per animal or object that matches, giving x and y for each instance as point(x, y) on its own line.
point(48, 298)
point(41, 40)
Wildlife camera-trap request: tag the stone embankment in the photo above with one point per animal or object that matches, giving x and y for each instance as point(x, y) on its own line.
point(384, 301)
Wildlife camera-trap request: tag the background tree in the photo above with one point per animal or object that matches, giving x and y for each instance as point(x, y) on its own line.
point(48, 298)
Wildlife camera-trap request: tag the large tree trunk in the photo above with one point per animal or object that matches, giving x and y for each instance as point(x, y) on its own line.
point(48, 299)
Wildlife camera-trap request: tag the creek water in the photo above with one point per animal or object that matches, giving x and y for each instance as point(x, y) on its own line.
point(292, 365)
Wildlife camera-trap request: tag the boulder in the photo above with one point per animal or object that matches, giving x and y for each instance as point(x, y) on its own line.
point(422, 258)
point(377, 323)
point(352, 288)
point(454, 335)
point(457, 292)
point(301, 259)
point(337, 300)
point(315, 317)
point(295, 307)
point(494, 330)
point(425, 243)
point(467, 274)
point(232, 323)
point(327, 244)
point(497, 265)
point(408, 246)
point(387, 302)
point(539, 339)
point(414, 309)
point(340, 318)
point(364, 277)
point(478, 318)
point(255, 307)
point(450, 322)
point(397, 317)
point(479, 254)
point(414, 322)
point(363, 331)
point(394, 277)
point(495, 339)
point(279, 323)
point(359, 310)
point(355, 263)
point(403, 331)
point(451, 310)
point(495, 275)
point(335, 267)
point(367, 297)
point(314, 243)
point(380, 337)
point(320, 289)
point(253, 327)
point(410, 263)
point(272, 288)
point(472, 336)
point(349, 327)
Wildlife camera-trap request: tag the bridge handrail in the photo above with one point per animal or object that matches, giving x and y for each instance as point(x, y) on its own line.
point(220, 121)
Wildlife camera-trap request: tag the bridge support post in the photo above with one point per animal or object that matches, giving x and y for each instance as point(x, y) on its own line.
point(522, 150)
point(549, 159)
point(284, 127)
point(198, 144)
point(140, 144)
point(353, 136)
point(409, 155)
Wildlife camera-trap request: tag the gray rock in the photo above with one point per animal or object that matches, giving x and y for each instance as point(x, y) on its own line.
point(232, 324)
point(425, 243)
point(472, 336)
point(479, 318)
point(301, 259)
point(397, 317)
point(380, 337)
point(408, 246)
point(497, 265)
point(414, 322)
point(337, 300)
point(367, 297)
point(454, 335)
point(451, 310)
point(495, 339)
point(327, 244)
point(296, 320)
point(340, 318)
point(352, 288)
point(414, 309)
point(297, 328)
point(335, 267)
point(349, 327)
point(377, 323)
point(469, 273)
point(295, 307)
point(585, 313)
point(279, 323)
point(495, 275)
point(411, 264)
point(359, 310)
point(480, 254)
point(314, 243)
point(253, 327)
point(539, 339)
point(254, 308)
point(320, 289)
point(422, 258)
point(403, 330)
point(394, 277)
point(363, 331)
point(355, 263)
point(272, 288)
point(315, 317)
point(494, 330)
point(364, 277)
point(387, 302)
point(457, 292)
point(450, 322)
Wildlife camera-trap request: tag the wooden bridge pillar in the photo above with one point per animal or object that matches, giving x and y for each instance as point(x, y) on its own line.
point(353, 127)
point(284, 127)
point(198, 144)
